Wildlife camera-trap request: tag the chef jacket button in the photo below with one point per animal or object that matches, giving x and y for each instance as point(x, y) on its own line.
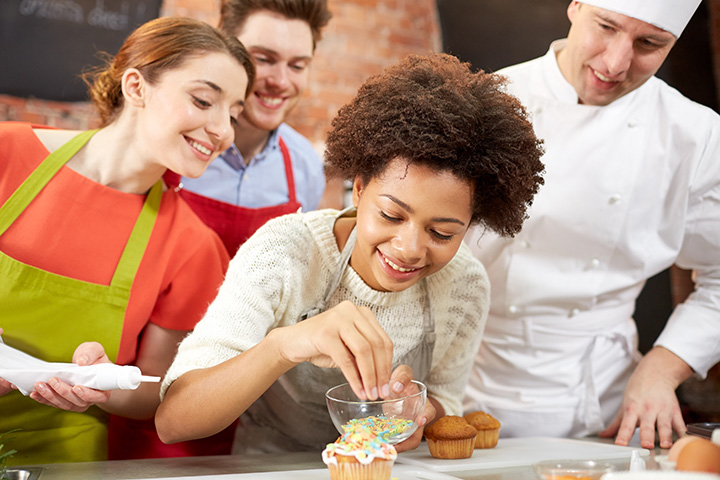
point(574, 312)
point(594, 263)
point(524, 244)
point(632, 123)
point(615, 198)
point(513, 309)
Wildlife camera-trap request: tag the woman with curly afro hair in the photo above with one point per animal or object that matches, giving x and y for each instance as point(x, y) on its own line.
point(376, 295)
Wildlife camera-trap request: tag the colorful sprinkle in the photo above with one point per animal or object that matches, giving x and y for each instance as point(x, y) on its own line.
point(382, 426)
point(361, 442)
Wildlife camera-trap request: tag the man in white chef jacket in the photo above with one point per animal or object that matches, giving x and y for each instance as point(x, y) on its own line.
point(632, 186)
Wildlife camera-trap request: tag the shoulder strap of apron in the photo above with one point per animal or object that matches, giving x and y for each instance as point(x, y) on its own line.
point(36, 181)
point(337, 274)
point(139, 237)
point(288, 170)
point(32, 185)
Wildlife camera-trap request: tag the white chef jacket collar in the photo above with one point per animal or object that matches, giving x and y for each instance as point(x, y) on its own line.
point(561, 88)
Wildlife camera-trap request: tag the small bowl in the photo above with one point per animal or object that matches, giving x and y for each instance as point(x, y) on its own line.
point(572, 469)
point(393, 418)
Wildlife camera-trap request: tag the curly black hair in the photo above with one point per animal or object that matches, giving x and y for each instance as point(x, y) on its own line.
point(435, 111)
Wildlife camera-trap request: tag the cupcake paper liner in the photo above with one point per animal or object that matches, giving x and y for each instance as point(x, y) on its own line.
point(451, 448)
point(379, 469)
point(487, 438)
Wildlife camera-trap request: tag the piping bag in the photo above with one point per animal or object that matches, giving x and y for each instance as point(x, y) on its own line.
point(24, 371)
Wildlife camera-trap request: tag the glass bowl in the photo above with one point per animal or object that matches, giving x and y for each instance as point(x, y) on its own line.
point(572, 469)
point(393, 418)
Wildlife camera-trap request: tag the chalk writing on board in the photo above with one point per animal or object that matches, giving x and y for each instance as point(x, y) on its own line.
point(46, 44)
point(100, 15)
point(65, 10)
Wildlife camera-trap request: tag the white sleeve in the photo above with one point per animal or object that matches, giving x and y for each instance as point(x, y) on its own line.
point(693, 330)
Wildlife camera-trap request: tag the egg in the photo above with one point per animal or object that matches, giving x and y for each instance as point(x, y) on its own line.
point(699, 455)
point(679, 445)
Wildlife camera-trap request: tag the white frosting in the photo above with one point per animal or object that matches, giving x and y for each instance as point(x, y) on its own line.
point(365, 459)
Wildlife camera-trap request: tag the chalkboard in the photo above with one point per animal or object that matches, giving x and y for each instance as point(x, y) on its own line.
point(492, 34)
point(46, 44)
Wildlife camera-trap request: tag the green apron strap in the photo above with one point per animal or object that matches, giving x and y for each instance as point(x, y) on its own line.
point(138, 240)
point(32, 185)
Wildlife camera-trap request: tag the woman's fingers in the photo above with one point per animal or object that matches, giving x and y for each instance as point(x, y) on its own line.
point(89, 353)
point(56, 393)
point(343, 358)
point(372, 350)
point(347, 337)
point(59, 394)
point(411, 443)
point(6, 387)
point(429, 414)
point(414, 440)
point(401, 379)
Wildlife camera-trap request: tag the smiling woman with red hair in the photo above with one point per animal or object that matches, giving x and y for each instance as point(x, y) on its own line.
point(100, 262)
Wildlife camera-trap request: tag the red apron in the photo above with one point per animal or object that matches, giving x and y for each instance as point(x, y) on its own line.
point(235, 224)
point(134, 439)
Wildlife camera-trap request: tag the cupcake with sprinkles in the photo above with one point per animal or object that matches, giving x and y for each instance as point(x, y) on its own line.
point(359, 454)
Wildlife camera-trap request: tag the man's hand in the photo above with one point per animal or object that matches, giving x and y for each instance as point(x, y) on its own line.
point(650, 401)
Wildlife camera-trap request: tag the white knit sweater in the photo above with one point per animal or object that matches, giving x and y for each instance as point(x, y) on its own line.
point(284, 269)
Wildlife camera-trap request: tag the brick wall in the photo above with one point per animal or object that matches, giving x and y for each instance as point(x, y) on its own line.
point(363, 37)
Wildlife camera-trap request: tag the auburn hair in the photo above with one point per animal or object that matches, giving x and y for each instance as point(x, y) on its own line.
point(153, 48)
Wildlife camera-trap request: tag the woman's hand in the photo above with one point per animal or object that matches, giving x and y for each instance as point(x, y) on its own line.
point(401, 383)
point(5, 386)
point(59, 394)
point(347, 337)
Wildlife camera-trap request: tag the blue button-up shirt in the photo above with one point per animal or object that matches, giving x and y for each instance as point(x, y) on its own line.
point(262, 182)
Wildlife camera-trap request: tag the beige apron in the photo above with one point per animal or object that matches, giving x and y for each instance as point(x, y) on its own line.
point(48, 316)
point(292, 414)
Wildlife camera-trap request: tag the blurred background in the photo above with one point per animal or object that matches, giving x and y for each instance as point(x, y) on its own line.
point(46, 44)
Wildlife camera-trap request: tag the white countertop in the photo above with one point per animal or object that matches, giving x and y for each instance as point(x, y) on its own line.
point(308, 466)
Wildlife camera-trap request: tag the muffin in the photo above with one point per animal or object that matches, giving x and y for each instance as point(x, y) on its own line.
point(359, 454)
point(487, 426)
point(451, 437)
